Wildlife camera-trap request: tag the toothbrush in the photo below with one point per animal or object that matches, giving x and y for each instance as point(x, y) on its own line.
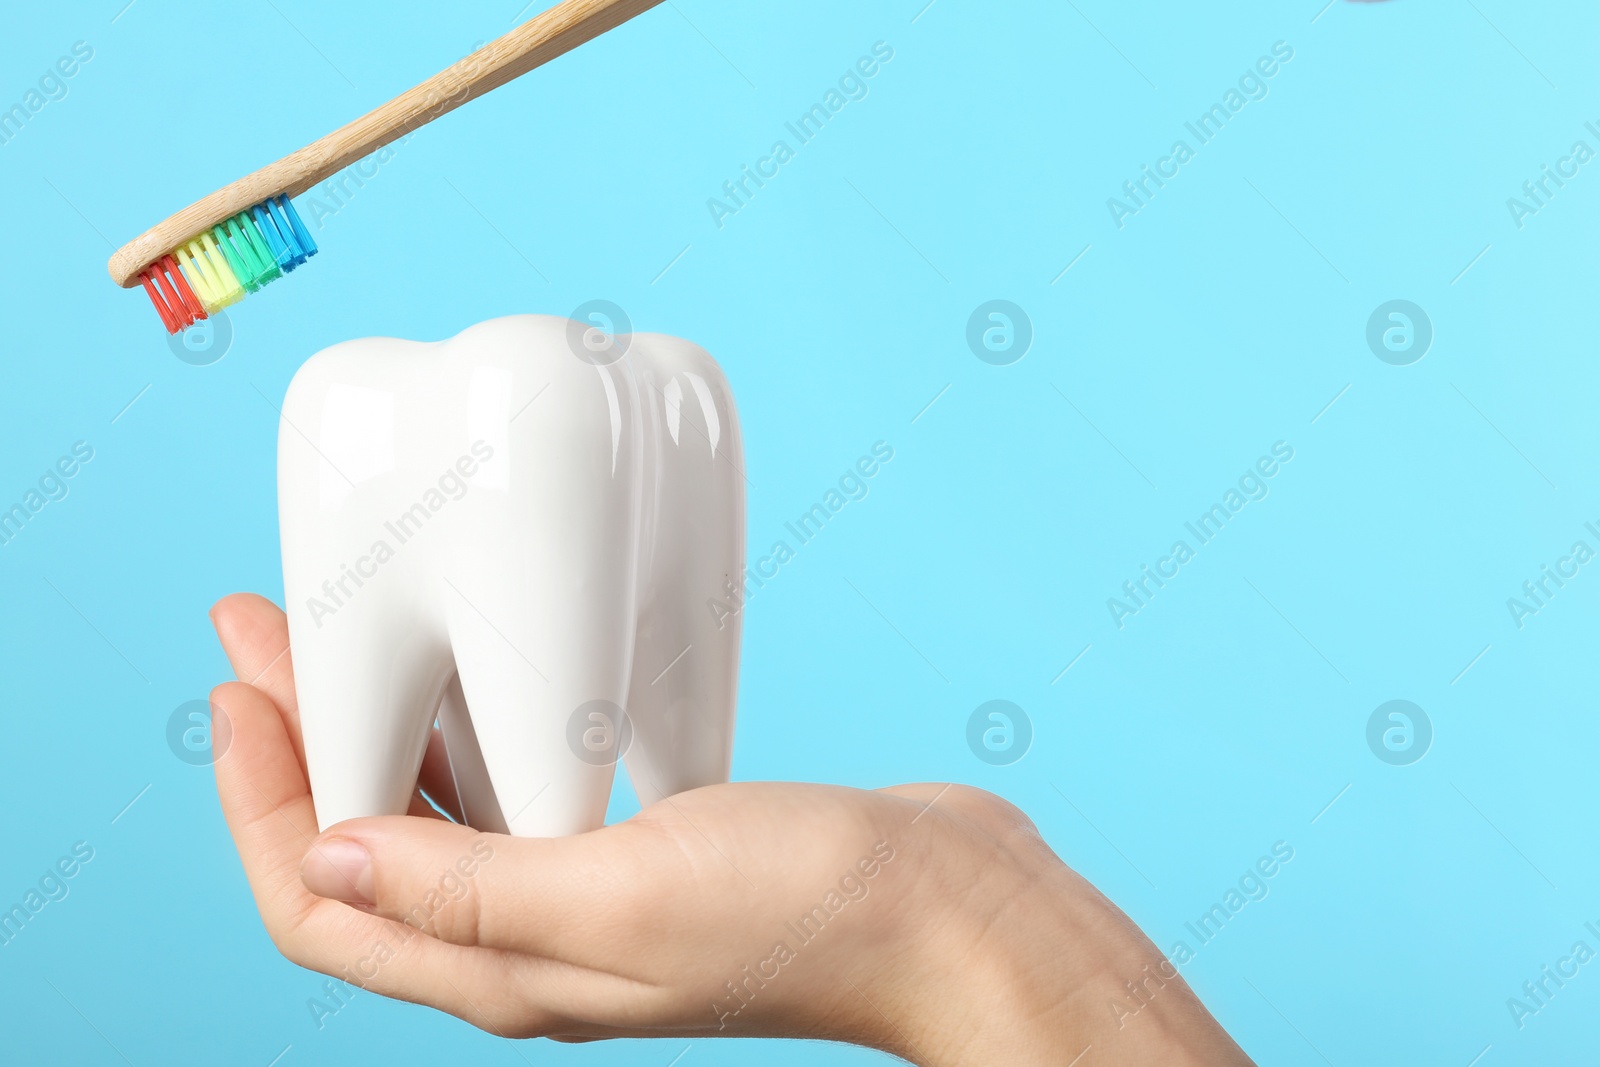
point(244, 235)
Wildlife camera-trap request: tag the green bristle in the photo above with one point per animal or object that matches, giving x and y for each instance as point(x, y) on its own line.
point(245, 248)
point(258, 248)
point(241, 270)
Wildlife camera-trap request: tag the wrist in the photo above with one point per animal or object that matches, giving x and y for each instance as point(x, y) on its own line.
point(1015, 958)
point(1022, 965)
point(990, 947)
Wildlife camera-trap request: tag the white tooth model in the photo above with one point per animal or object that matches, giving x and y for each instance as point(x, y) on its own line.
point(517, 530)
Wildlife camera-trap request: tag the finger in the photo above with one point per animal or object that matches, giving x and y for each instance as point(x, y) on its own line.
point(437, 779)
point(255, 636)
point(529, 895)
point(265, 800)
point(268, 809)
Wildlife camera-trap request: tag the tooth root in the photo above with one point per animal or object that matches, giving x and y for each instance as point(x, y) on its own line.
point(364, 759)
point(480, 809)
point(520, 719)
point(536, 592)
point(367, 693)
point(686, 657)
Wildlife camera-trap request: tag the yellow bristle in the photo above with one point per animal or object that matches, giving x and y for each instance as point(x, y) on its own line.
point(229, 288)
point(198, 279)
point(216, 288)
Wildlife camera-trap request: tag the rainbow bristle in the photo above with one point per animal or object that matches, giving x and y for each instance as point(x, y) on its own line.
point(218, 267)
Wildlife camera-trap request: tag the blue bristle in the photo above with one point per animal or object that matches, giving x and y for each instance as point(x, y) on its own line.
point(307, 246)
point(275, 243)
point(297, 255)
point(280, 235)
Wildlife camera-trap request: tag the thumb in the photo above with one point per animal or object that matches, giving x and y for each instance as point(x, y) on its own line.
point(449, 881)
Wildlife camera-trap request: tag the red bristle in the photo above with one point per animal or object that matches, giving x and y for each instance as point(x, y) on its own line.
point(169, 291)
point(196, 309)
point(170, 296)
point(181, 311)
point(168, 319)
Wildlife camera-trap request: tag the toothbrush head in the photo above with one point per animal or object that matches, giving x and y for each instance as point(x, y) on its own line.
point(219, 266)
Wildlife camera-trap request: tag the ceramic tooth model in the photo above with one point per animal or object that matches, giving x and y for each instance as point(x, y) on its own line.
point(517, 531)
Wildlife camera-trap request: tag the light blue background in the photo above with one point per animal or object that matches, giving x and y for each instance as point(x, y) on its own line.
point(1225, 316)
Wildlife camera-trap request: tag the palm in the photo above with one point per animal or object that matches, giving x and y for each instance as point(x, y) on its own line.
point(604, 922)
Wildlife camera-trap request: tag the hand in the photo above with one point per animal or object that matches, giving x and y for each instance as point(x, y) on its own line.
point(930, 921)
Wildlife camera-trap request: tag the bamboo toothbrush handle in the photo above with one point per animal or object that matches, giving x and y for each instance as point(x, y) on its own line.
point(535, 42)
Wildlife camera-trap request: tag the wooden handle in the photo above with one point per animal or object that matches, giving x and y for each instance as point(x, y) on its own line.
point(541, 39)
